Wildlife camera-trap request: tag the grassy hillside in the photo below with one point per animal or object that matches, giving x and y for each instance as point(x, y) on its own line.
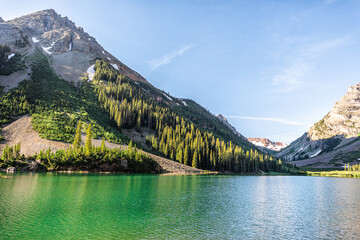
point(56, 105)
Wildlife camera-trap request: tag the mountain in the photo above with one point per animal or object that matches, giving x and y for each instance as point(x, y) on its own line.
point(334, 140)
point(55, 76)
point(266, 143)
point(71, 49)
point(261, 143)
point(231, 127)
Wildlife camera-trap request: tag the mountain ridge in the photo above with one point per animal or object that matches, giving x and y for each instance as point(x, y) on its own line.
point(266, 143)
point(231, 127)
point(332, 141)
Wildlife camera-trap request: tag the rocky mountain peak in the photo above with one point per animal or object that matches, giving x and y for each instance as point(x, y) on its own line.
point(71, 49)
point(342, 120)
point(1, 20)
point(266, 143)
point(43, 21)
point(328, 141)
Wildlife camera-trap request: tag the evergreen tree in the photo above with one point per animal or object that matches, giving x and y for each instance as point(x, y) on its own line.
point(77, 138)
point(130, 146)
point(102, 146)
point(17, 151)
point(186, 155)
point(88, 141)
point(179, 154)
point(194, 163)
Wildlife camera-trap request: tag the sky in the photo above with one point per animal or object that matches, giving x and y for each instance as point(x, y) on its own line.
point(272, 68)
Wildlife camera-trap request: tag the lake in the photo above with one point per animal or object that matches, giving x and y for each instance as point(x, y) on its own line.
point(75, 206)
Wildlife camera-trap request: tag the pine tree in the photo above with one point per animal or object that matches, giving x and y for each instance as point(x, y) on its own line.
point(130, 146)
point(17, 151)
point(5, 153)
point(186, 155)
point(179, 154)
point(102, 146)
point(77, 139)
point(194, 163)
point(88, 141)
point(138, 124)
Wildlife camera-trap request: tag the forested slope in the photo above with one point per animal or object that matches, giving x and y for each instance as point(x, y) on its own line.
point(181, 129)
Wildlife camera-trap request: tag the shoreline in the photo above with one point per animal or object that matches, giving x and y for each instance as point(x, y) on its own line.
point(204, 172)
point(343, 174)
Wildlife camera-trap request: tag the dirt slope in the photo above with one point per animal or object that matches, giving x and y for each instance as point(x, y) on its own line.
point(20, 131)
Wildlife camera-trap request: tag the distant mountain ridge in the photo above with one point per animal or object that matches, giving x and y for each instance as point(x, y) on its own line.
point(332, 141)
point(266, 143)
point(233, 129)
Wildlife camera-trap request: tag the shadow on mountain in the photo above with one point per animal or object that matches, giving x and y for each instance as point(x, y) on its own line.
point(332, 152)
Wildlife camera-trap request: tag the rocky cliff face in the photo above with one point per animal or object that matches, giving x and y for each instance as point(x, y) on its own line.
point(71, 50)
point(337, 131)
point(266, 143)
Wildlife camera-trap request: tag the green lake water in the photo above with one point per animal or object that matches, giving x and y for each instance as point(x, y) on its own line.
point(71, 206)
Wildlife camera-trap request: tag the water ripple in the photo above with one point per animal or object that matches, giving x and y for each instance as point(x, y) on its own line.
point(70, 206)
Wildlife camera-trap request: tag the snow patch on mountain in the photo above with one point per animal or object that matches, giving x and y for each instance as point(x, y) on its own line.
point(266, 143)
point(115, 66)
point(11, 55)
point(168, 97)
point(315, 154)
point(91, 72)
point(46, 49)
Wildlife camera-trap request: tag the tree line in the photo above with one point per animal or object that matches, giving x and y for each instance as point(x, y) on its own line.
point(175, 137)
point(84, 157)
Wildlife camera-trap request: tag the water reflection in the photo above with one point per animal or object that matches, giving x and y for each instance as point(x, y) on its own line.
point(92, 206)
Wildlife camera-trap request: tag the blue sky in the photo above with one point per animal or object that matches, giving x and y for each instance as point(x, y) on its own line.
point(273, 68)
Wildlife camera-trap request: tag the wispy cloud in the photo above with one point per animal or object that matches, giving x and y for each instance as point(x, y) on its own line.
point(158, 62)
point(290, 77)
point(329, 1)
point(278, 120)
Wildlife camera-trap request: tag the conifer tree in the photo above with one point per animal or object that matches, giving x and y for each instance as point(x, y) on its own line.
point(179, 154)
point(194, 163)
point(102, 146)
point(130, 146)
point(17, 151)
point(186, 155)
point(88, 141)
point(77, 139)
